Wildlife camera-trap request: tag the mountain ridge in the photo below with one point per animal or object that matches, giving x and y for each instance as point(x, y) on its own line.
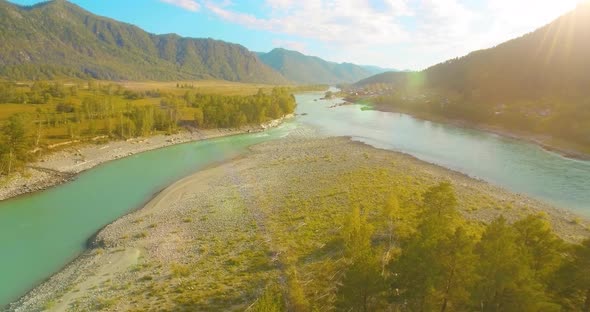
point(58, 38)
point(306, 69)
point(558, 54)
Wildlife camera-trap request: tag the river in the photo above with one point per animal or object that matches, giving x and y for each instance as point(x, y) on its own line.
point(41, 232)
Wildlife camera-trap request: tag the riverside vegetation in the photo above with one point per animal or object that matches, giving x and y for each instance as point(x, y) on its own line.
point(39, 116)
point(327, 224)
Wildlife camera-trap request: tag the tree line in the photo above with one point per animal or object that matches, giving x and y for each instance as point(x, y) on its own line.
point(563, 117)
point(37, 93)
point(79, 112)
point(221, 111)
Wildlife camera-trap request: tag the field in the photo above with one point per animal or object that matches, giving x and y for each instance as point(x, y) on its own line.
point(201, 86)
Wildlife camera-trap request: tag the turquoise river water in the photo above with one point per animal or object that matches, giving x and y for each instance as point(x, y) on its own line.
point(42, 232)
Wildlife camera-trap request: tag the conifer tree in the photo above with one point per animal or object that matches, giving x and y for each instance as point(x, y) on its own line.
point(571, 283)
point(362, 280)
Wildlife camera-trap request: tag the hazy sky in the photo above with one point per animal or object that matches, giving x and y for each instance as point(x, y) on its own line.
point(401, 34)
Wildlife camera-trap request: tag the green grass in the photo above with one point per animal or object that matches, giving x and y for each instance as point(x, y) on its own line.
point(201, 86)
point(8, 109)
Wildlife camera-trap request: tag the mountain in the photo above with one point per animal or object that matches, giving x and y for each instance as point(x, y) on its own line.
point(57, 38)
point(551, 59)
point(306, 69)
point(390, 77)
point(375, 70)
point(538, 83)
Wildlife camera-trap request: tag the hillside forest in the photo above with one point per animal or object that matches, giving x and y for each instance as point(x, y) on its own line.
point(57, 39)
point(564, 118)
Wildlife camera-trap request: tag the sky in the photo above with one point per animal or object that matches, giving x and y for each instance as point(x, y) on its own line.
point(398, 34)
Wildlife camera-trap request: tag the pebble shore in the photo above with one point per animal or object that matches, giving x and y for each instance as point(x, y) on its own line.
point(62, 166)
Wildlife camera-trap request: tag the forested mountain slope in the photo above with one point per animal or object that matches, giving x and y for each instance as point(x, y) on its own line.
point(58, 38)
point(305, 69)
point(552, 60)
point(384, 78)
point(549, 60)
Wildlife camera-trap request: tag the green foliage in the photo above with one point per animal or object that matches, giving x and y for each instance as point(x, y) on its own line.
point(17, 140)
point(440, 202)
point(362, 280)
point(457, 263)
point(357, 235)
point(436, 267)
point(361, 285)
point(518, 267)
point(110, 110)
point(507, 282)
point(571, 283)
point(391, 217)
point(219, 111)
point(543, 249)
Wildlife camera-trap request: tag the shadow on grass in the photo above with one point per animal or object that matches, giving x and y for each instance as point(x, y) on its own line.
point(330, 250)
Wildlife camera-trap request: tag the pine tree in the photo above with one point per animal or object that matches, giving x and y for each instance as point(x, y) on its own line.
point(457, 261)
point(506, 280)
point(362, 280)
point(571, 283)
point(436, 266)
point(542, 247)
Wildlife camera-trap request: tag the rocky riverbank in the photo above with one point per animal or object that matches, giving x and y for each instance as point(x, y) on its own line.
point(213, 240)
point(61, 166)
